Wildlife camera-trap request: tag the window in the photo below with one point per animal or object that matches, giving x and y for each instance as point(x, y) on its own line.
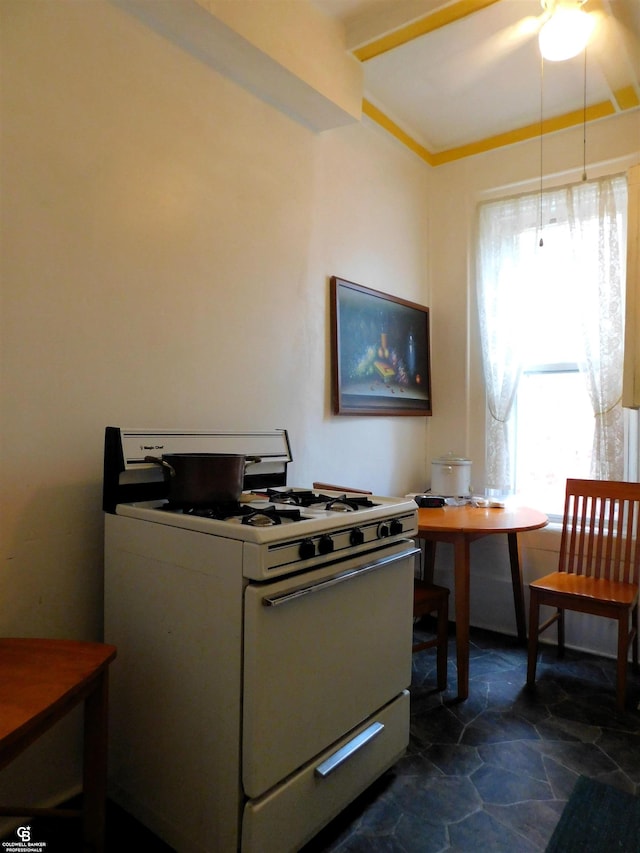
point(551, 310)
point(551, 447)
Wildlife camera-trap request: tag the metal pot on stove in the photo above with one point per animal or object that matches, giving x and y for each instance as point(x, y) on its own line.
point(204, 478)
point(451, 476)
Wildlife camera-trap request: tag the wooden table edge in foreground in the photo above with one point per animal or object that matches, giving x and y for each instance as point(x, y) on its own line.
point(461, 525)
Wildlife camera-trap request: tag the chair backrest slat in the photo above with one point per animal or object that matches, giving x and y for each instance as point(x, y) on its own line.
point(603, 520)
point(600, 530)
point(606, 559)
point(593, 523)
point(632, 550)
point(622, 509)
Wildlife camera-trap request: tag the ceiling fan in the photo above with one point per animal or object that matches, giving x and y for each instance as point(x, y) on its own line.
point(565, 29)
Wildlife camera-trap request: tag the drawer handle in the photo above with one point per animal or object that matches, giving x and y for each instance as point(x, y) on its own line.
point(341, 755)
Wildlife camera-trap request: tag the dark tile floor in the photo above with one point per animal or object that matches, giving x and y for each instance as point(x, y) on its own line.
point(487, 775)
point(493, 773)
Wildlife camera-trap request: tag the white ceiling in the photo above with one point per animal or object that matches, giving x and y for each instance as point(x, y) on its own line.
point(480, 76)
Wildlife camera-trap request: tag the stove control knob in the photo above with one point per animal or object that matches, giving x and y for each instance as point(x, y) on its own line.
point(325, 544)
point(395, 527)
point(356, 537)
point(307, 549)
point(383, 531)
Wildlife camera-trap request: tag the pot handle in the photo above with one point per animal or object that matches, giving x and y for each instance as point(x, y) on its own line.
point(168, 469)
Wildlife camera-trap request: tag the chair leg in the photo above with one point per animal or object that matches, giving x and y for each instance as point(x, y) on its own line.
point(560, 614)
point(95, 765)
point(634, 642)
point(534, 616)
point(623, 651)
point(443, 632)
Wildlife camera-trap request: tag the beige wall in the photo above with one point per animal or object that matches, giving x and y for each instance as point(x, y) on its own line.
point(167, 240)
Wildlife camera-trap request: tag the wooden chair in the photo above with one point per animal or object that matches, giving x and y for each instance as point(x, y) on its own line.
point(40, 682)
point(598, 569)
point(427, 599)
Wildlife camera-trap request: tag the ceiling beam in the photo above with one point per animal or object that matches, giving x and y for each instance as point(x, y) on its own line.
point(615, 47)
point(420, 27)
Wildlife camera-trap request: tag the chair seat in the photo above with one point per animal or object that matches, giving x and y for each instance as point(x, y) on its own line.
point(427, 595)
point(580, 586)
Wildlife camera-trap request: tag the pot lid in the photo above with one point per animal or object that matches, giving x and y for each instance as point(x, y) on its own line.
point(451, 459)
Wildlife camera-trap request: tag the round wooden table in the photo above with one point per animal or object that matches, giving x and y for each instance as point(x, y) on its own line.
point(461, 525)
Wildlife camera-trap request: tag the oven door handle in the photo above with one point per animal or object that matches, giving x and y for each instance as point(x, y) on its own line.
point(350, 574)
point(345, 752)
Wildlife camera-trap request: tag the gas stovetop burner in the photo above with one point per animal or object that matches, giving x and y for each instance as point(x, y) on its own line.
point(285, 497)
point(219, 511)
point(345, 504)
point(265, 516)
point(270, 515)
point(308, 498)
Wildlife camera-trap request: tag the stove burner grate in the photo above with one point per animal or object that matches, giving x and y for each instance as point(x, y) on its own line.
point(271, 515)
point(218, 511)
point(243, 513)
point(308, 498)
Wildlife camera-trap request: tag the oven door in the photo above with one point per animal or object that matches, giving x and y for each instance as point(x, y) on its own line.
point(323, 651)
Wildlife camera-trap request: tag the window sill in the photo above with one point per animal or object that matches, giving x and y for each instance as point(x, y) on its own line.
point(546, 538)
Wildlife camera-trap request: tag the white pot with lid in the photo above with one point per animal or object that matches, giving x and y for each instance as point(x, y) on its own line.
point(451, 476)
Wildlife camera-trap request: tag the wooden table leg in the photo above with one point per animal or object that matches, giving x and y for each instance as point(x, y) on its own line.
point(461, 570)
point(429, 560)
point(95, 765)
point(518, 589)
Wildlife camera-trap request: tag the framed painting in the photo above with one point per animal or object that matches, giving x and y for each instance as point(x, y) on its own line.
point(380, 352)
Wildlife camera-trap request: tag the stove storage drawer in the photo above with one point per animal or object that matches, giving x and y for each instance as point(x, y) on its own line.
point(322, 652)
point(289, 815)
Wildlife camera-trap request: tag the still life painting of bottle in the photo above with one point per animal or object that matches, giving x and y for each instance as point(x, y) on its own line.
point(383, 352)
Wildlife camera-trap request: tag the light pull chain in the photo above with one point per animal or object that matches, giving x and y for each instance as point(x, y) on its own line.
point(584, 120)
point(541, 135)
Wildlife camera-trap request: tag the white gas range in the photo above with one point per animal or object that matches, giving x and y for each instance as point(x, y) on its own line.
point(265, 651)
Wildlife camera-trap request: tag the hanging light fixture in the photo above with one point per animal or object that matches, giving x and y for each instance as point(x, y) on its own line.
point(554, 48)
point(566, 32)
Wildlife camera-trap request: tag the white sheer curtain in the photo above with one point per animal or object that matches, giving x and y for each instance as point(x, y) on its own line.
point(501, 292)
point(631, 379)
point(597, 223)
point(582, 232)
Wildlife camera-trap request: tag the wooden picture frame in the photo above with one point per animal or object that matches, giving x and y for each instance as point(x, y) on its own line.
point(380, 350)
